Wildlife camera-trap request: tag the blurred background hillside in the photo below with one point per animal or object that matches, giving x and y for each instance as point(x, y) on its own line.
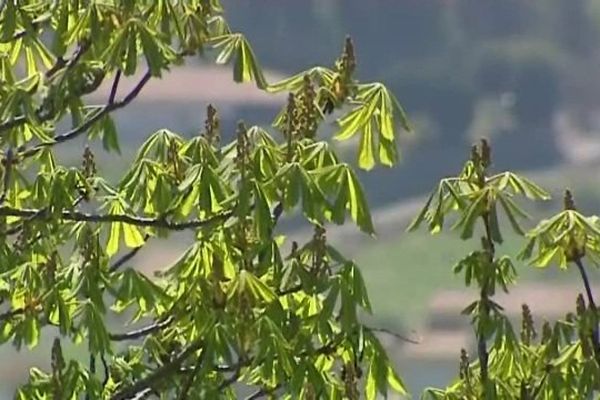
point(525, 74)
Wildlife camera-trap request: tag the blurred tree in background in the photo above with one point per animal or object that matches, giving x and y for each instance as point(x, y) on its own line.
point(444, 56)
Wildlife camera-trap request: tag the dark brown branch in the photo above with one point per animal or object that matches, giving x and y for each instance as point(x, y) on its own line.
point(114, 88)
point(482, 350)
point(38, 214)
point(110, 218)
point(139, 333)
point(592, 305)
point(160, 373)
point(586, 284)
point(393, 334)
point(106, 370)
point(128, 256)
point(101, 113)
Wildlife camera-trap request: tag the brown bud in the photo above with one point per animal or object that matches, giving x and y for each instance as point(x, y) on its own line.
point(569, 201)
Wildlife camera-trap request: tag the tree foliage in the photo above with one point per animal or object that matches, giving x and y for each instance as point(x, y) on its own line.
point(563, 360)
point(241, 310)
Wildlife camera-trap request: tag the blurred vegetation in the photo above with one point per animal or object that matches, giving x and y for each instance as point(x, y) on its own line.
point(443, 57)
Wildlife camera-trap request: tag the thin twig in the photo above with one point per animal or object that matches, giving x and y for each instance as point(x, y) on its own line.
point(482, 350)
point(139, 333)
point(39, 214)
point(101, 113)
point(128, 256)
point(586, 283)
point(114, 88)
point(393, 334)
point(160, 373)
point(106, 370)
point(277, 211)
point(110, 218)
point(592, 305)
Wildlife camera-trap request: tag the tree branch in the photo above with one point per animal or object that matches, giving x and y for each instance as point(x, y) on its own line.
point(139, 333)
point(59, 64)
point(160, 373)
point(107, 109)
point(106, 370)
point(393, 334)
point(128, 256)
point(586, 283)
point(110, 218)
point(114, 88)
point(592, 305)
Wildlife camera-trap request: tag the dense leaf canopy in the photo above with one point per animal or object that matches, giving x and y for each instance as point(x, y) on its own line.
point(242, 311)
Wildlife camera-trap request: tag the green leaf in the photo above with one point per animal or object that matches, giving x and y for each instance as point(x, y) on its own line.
point(371, 383)
point(110, 138)
point(132, 236)
point(246, 66)
point(357, 203)
point(31, 331)
point(416, 222)
point(112, 247)
point(395, 382)
point(366, 160)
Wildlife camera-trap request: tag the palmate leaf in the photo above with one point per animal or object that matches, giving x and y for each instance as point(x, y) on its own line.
point(248, 284)
point(381, 376)
point(518, 185)
point(131, 234)
point(136, 288)
point(563, 238)
point(377, 108)
point(449, 195)
point(319, 75)
point(246, 67)
point(202, 188)
point(341, 182)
